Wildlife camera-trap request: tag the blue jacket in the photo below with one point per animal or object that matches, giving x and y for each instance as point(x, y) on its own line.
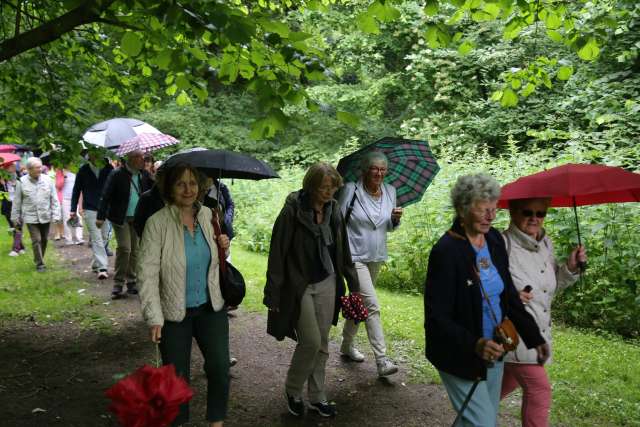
point(90, 186)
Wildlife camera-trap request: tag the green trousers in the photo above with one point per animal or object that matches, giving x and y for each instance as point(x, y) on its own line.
point(211, 331)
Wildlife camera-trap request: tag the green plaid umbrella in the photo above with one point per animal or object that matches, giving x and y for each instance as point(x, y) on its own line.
point(412, 166)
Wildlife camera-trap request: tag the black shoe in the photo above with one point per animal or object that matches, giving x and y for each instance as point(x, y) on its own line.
point(131, 288)
point(295, 405)
point(324, 409)
point(41, 268)
point(116, 292)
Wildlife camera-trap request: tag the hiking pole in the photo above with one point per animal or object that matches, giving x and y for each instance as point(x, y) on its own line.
point(465, 403)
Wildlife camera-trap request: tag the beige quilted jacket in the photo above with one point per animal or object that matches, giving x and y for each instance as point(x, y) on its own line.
point(162, 268)
point(533, 262)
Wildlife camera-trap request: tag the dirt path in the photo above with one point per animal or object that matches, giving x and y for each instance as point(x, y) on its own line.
point(55, 375)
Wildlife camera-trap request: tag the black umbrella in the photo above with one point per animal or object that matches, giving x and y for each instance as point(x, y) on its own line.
point(222, 164)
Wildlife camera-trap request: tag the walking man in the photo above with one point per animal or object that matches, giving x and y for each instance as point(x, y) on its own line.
point(90, 182)
point(35, 203)
point(118, 204)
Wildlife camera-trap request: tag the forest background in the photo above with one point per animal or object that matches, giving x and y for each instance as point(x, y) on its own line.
point(506, 87)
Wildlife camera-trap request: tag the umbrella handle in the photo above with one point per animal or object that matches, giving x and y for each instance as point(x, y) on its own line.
point(581, 264)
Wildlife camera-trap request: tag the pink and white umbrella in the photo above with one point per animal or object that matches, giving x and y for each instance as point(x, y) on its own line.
point(146, 142)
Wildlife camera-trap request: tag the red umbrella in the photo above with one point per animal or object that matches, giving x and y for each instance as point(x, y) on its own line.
point(574, 185)
point(150, 397)
point(7, 148)
point(7, 158)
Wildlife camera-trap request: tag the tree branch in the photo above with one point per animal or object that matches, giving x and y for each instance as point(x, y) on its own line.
point(18, 17)
point(87, 12)
point(116, 23)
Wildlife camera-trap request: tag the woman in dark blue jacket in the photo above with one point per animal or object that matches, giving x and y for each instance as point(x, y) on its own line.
point(468, 292)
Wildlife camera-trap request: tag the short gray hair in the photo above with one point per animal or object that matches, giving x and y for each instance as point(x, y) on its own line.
point(472, 188)
point(33, 161)
point(370, 158)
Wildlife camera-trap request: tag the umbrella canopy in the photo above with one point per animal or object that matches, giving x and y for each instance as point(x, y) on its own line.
point(146, 142)
point(150, 397)
point(411, 165)
point(222, 164)
point(7, 158)
point(576, 185)
point(115, 132)
point(7, 148)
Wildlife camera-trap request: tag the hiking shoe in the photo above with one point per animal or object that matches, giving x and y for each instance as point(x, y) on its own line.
point(352, 353)
point(13, 253)
point(295, 405)
point(131, 288)
point(324, 409)
point(386, 367)
point(116, 292)
point(41, 268)
point(22, 252)
point(102, 275)
point(79, 242)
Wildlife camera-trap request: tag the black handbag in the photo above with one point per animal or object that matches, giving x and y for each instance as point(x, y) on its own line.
point(232, 283)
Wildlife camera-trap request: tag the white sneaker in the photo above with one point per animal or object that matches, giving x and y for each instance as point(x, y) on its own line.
point(22, 252)
point(13, 253)
point(352, 353)
point(386, 367)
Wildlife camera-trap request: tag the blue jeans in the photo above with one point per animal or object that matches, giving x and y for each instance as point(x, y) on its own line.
point(482, 410)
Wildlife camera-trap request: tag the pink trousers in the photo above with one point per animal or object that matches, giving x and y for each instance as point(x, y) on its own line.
point(536, 391)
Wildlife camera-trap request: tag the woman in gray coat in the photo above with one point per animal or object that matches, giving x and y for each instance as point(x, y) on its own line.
point(309, 261)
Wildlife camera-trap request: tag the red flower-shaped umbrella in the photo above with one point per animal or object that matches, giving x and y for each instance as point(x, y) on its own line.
point(353, 308)
point(150, 397)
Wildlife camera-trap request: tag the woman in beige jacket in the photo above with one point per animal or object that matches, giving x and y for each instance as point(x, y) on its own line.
point(538, 276)
point(180, 290)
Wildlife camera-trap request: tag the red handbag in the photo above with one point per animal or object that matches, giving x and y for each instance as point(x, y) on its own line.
point(353, 308)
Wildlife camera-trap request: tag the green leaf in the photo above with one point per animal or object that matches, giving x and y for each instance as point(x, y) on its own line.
point(516, 84)
point(277, 27)
point(509, 98)
point(496, 96)
point(513, 28)
point(564, 73)
point(146, 71)
point(528, 89)
point(554, 35)
point(367, 23)
point(182, 82)
point(590, 50)
point(466, 47)
point(431, 7)
point(348, 118)
point(131, 44)
point(183, 99)
point(492, 9)
point(552, 21)
point(481, 16)
point(198, 53)
point(163, 59)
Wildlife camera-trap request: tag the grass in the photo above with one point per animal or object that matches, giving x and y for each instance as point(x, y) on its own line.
point(595, 378)
point(44, 297)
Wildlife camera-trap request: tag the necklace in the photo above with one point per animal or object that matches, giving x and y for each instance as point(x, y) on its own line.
point(375, 193)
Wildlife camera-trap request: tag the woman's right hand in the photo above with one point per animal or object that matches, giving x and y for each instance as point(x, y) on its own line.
point(489, 350)
point(156, 333)
point(525, 297)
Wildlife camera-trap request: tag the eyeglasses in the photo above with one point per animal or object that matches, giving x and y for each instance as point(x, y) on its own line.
point(528, 213)
point(485, 212)
point(376, 169)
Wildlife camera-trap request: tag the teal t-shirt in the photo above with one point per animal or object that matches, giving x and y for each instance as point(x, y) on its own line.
point(198, 256)
point(134, 195)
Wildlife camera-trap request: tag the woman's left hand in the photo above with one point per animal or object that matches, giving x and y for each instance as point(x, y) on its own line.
point(396, 214)
point(224, 242)
point(578, 255)
point(543, 353)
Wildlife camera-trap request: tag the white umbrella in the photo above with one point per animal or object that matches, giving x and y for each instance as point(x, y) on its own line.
point(113, 133)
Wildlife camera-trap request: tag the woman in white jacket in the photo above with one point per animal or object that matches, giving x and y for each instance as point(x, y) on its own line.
point(180, 290)
point(538, 276)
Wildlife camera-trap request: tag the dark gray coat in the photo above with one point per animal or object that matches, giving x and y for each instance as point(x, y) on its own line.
point(292, 254)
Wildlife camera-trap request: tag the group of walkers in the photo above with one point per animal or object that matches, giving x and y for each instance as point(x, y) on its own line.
point(324, 244)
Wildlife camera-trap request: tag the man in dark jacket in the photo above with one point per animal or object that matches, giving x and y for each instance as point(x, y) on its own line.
point(90, 182)
point(118, 204)
point(225, 203)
